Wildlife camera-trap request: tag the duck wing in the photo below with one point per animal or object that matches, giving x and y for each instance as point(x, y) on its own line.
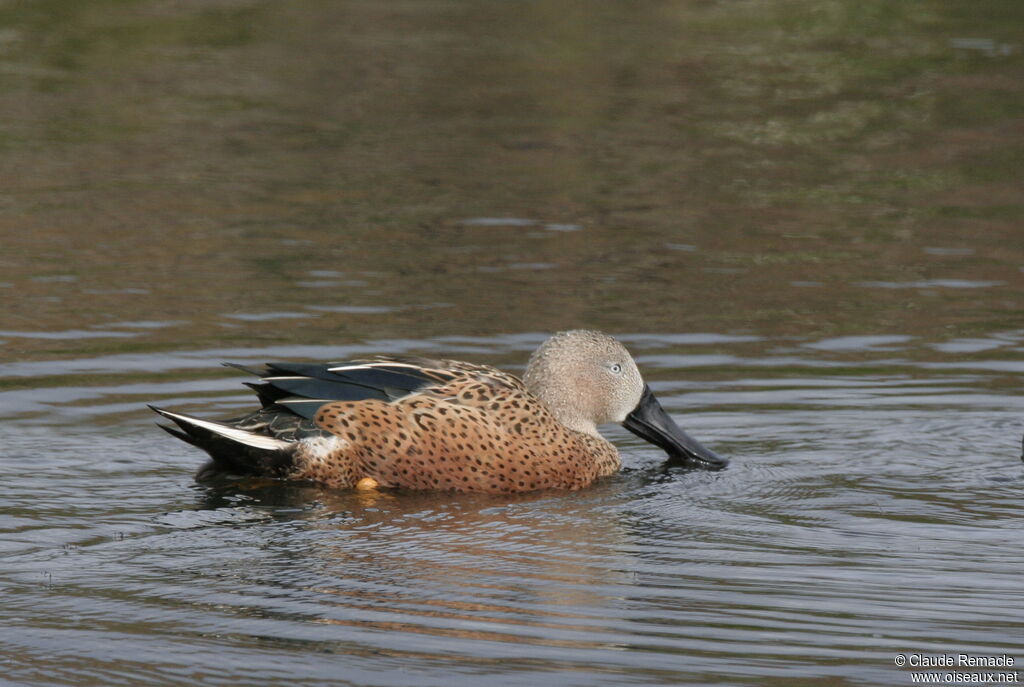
point(301, 388)
point(262, 442)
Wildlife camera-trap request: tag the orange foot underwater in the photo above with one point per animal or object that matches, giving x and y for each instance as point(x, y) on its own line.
point(415, 423)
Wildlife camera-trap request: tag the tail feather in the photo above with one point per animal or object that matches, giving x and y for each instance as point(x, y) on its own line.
point(234, 451)
point(244, 368)
point(267, 394)
point(177, 433)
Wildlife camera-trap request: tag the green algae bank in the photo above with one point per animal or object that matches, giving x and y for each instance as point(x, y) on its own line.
point(804, 218)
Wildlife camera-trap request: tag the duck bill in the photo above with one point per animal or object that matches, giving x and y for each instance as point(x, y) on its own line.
point(650, 422)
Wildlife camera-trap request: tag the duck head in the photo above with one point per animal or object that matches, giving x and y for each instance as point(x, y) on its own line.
point(588, 378)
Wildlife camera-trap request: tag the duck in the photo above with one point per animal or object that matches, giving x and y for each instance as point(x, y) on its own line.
point(416, 423)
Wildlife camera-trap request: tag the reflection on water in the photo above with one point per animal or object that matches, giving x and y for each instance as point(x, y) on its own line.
point(680, 167)
point(872, 507)
point(802, 217)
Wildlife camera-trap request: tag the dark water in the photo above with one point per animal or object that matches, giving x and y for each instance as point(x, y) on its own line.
point(804, 218)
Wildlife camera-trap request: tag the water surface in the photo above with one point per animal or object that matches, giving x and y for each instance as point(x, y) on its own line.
point(804, 219)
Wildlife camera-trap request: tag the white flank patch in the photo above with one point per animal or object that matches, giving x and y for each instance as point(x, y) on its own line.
point(239, 435)
point(321, 447)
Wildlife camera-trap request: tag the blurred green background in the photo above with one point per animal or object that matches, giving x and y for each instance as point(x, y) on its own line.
point(238, 171)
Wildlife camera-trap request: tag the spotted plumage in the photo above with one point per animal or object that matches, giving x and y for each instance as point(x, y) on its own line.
point(418, 423)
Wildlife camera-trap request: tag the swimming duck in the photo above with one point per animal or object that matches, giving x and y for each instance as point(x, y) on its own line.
point(418, 423)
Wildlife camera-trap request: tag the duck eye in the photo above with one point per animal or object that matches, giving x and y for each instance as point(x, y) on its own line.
point(616, 368)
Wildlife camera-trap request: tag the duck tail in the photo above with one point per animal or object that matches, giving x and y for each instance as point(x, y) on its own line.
point(233, 451)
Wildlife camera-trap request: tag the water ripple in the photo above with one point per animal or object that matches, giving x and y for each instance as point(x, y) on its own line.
point(870, 507)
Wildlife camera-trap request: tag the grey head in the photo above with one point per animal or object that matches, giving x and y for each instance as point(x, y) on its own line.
point(588, 378)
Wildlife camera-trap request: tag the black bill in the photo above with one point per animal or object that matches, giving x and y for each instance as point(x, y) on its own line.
point(650, 422)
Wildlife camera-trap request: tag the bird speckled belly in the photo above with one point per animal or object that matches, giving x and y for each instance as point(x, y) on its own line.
point(464, 436)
